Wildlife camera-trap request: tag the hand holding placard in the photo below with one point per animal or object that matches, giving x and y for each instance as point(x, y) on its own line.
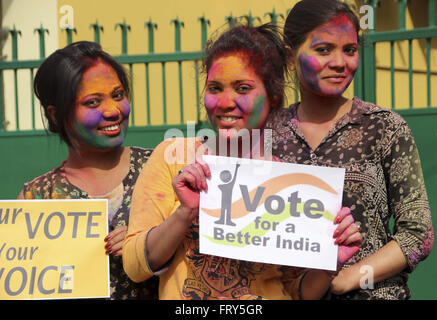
point(284, 216)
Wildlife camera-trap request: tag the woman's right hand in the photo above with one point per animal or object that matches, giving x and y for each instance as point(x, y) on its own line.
point(189, 182)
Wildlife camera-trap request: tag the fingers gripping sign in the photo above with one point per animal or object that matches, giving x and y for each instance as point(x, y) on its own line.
point(347, 235)
point(189, 182)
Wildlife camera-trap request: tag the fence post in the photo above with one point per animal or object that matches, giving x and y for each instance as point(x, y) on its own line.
point(124, 28)
point(432, 9)
point(42, 49)
point(69, 32)
point(251, 19)
point(178, 25)
point(97, 28)
point(14, 37)
point(274, 16)
point(204, 36)
point(373, 4)
point(366, 77)
point(150, 26)
point(204, 23)
point(402, 7)
point(231, 20)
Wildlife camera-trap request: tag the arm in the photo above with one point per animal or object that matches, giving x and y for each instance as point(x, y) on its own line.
point(21, 195)
point(385, 263)
point(313, 284)
point(413, 232)
point(157, 223)
point(164, 240)
point(235, 174)
point(153, 201)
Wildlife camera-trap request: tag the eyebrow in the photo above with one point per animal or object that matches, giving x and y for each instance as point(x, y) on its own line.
point(317, 43)
point(101, 94)
point(233, 82)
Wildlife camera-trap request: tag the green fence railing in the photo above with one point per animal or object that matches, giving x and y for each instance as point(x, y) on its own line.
point(366, 80)
point(130, 60)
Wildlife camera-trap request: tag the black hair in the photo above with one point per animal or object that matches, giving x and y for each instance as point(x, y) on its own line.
point(266, 51)
point(307, 15)
point(58, 78)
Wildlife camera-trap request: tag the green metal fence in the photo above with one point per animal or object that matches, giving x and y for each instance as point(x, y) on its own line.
point(366, 81)
point(130, 60)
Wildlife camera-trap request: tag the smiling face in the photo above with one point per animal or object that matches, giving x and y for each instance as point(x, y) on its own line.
point(235, 95)
point(101, 109)
point(327, 60)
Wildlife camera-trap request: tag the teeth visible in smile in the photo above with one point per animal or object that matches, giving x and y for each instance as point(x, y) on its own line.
point(228, 118)
point(111, 128)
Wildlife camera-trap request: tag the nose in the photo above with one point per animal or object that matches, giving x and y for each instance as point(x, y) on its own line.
point(337, 61)
point(226, 100)
point(111, 111)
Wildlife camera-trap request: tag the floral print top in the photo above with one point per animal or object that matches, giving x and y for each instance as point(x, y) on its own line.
point(383, 180)
point(54, 185)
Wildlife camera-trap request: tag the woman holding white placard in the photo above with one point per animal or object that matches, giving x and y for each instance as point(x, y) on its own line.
point(245, 70)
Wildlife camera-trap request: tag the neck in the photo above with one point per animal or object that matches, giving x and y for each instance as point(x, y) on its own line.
point(321, 109)
point(92, 159)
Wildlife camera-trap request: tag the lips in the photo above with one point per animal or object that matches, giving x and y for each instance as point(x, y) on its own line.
point(335, 79)
point(110, 130)
point(335, 76)
point(228, 120)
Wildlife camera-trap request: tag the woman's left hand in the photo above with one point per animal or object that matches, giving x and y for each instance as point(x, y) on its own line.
point(114, 241)
point(347, 235)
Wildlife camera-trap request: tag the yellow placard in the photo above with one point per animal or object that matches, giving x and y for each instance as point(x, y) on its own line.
point(53, 249)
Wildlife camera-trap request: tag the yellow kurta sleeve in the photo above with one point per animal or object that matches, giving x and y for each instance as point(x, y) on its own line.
point(153, 200)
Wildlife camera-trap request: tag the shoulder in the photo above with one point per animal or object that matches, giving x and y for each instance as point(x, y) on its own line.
point(141, 152)
point(139, 155)
point(180, 148)
point(34, 188)
point(46, 177)
point(372, 111)
point(281, 115)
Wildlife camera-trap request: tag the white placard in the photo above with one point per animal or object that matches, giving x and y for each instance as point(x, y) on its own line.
point(271, 212)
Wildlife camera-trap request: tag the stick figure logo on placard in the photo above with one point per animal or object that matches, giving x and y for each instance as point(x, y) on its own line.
point(226, 189)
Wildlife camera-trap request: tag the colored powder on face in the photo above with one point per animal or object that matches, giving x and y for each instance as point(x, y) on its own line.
point(338, 26)
point(255, 116)
point(91, 138)
point(125, 108)
point(211, 102)
point(310, 67)
point(92, 118)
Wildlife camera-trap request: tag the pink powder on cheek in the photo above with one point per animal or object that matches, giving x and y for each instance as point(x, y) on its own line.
point(211, 102)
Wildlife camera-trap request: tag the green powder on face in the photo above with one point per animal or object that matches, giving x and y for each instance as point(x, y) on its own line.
point(256, 113)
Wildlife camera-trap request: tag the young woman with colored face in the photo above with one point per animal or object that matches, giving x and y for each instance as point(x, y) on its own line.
point(374, 145)
point(84, 93)
point(245, 77)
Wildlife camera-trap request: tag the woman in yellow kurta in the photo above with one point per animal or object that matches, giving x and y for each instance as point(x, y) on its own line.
point(246, 70)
